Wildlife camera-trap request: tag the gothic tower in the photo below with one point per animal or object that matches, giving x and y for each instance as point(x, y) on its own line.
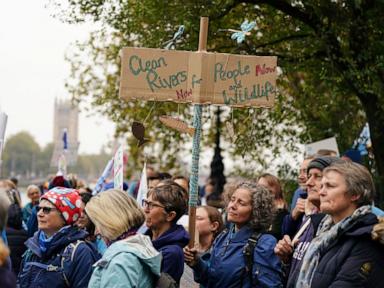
point(66, 118)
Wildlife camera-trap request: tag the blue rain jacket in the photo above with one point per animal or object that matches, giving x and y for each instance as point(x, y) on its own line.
point(132, 262)
point(58, 266)
point(224, 266)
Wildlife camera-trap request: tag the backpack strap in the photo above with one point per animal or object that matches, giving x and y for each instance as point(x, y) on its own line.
point(47, 267)
point(27, 255)
point(248, 252)
point(68, 254)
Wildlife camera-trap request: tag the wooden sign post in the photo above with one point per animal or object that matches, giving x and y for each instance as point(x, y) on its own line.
point(199, 78)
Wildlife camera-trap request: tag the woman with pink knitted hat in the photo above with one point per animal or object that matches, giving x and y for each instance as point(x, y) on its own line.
point(57, 254)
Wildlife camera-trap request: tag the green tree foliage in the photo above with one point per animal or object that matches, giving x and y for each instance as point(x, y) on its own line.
point(330, 54)
point(20, 154)
point(24, 158)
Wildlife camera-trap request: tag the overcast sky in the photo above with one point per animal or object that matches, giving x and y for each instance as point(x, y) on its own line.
point(33, 72)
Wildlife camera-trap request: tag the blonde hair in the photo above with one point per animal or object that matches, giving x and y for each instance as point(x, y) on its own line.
point(114, 212)
point(4, 205)
point(378, 231)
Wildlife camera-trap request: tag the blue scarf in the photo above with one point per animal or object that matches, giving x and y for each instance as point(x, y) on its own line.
point(45, 242)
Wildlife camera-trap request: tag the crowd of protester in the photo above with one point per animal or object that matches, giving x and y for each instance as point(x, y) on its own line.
point(330, 235)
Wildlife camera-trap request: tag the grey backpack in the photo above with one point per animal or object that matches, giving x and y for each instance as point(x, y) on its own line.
point(166, 281)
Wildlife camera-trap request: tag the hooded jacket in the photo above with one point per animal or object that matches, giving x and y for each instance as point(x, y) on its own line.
point(354, 259)
point(225, 265)
point(171, 244)
point(132, 262)
point(50, 268)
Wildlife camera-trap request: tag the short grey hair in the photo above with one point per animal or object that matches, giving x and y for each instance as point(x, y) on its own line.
point(4, 205)
point(33, 187)
point(263, 209)
point(358, 180)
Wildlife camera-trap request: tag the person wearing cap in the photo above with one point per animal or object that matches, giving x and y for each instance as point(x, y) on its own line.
point(291, 249)
point(57, 254)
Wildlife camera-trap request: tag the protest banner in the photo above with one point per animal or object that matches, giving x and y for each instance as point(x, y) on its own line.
point(143, 188)
point(102, 179)
point(198, 77)
point(325, 144)
point(118, 168)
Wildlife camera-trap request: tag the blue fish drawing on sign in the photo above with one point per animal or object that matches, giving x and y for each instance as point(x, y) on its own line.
point(246, 27)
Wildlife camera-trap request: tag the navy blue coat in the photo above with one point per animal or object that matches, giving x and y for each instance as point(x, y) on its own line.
point(225, 265)
point(16, 239)
point(171, 245)
point(47, 268)
point(354, 260)
point(8, 279)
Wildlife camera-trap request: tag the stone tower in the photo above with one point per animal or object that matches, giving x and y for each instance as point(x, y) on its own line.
point(66, 118)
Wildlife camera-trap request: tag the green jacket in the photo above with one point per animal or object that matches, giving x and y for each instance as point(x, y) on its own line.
point(132, 262)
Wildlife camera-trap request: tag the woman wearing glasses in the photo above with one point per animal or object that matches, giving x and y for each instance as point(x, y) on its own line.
point(165, 205)
point(232, 261)
point(130, 259)
point(57, 255)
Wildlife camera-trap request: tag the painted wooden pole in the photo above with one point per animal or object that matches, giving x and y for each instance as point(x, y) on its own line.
point(194, 177)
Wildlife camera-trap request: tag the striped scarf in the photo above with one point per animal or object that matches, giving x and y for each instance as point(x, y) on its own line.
point(327, 233)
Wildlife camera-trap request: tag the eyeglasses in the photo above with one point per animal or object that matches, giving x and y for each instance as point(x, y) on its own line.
point(150, 205)
point(46, 210)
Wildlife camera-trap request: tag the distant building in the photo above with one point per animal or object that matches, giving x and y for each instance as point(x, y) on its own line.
point(66, 118)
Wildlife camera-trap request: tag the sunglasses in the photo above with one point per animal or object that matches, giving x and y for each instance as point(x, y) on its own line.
point(46, 210)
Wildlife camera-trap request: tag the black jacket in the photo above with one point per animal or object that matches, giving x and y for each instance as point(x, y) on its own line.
point(8, 279)
point(16, 239)
point(354, 259)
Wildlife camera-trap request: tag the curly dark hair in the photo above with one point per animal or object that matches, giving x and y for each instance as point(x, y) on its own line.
point(263, 209)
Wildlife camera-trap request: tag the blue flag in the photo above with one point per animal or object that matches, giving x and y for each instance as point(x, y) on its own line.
point(363, 141)
point(65, 139)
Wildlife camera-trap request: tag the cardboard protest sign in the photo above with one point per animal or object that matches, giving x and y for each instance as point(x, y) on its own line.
point(198, 77)
point(327, 144)
point(118, 171)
